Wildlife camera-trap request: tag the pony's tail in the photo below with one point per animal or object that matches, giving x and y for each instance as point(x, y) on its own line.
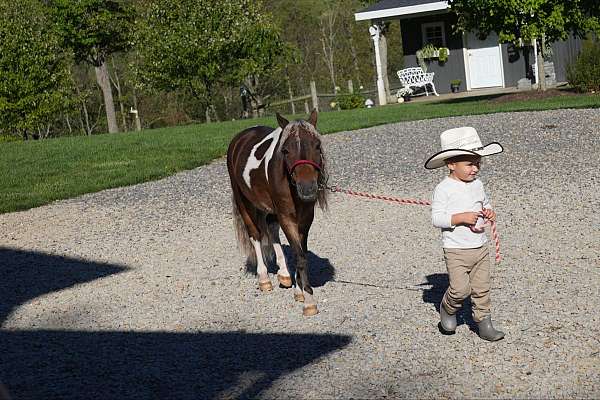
point(242, 235)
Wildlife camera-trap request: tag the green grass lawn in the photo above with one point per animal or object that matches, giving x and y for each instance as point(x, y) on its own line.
point(38, 172)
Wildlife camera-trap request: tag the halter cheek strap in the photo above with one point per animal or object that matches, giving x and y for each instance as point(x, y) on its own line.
point(300, 162)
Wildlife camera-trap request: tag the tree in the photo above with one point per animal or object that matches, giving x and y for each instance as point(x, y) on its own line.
point(516, 21)
point(34, 75)
point(196, 44)
point(95, 29)
point(329, 32)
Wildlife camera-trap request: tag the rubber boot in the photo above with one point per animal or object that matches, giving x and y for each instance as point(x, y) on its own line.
point(487, 330)
point(447, 323)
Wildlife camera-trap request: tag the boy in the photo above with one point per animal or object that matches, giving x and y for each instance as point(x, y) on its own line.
point(459, 206)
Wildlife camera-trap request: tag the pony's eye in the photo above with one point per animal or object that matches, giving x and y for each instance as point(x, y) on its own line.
point(285, 151)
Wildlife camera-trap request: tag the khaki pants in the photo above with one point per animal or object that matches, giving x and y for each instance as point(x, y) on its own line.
point(469, 274)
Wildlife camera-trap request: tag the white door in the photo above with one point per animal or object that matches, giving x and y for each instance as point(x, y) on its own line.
point(484, 60)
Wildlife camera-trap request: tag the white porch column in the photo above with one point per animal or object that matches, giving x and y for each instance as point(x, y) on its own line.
point(375, 32)
point(535, 66)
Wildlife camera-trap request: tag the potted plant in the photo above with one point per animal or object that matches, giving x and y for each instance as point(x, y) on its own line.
point(455, 85)
point(443, 53)
point(427, 52)
point(403, 94)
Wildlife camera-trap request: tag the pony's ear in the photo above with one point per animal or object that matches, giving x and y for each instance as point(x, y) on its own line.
point(282, 121)
point(313, 117)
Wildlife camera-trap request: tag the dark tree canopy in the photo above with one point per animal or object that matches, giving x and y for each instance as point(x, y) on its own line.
point(35, 86)
point(195, 44)
point(94, 29)
point(528, 19)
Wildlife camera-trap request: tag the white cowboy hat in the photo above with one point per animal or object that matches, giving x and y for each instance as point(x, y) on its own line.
point(458, 142)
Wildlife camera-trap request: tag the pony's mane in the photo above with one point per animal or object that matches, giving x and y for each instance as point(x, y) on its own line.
point(293, 129)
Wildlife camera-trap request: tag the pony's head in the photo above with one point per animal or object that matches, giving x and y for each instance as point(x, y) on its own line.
point(303, 157)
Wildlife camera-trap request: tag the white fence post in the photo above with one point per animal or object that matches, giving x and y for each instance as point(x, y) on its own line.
point(313, 94)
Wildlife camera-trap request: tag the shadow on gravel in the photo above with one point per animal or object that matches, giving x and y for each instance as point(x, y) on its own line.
point(26, 275)
point(439, 283)
point(153, 365)
point(320, 270)
point(48, 364)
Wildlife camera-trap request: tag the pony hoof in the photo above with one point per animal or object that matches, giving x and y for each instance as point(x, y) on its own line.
point(310, 310)
point(299, 297)
point(265, 286)
point(285, 281)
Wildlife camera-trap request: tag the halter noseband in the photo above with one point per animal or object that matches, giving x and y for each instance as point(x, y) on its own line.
point(300, 162)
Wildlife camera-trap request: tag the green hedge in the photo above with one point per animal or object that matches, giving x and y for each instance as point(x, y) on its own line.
point(350, 101)
point(584, 73)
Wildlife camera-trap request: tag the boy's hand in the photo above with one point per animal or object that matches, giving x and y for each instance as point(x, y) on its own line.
point(488, 213)
point(465, 218)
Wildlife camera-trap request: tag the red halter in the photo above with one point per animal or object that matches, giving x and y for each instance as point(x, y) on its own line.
point(300, 162)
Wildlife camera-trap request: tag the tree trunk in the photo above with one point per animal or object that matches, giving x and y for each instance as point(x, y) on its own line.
point(384, 63)
point(117, 84)
point(138, 124)
point(214, 111)
point(354, 59)
point(109, 105)
point(256, 100)
point(88, 129)
point(327, 25)
point(69, 124)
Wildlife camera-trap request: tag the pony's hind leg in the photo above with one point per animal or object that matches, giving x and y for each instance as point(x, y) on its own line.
point(248, 222)
point(264, 283)
point(283, 274)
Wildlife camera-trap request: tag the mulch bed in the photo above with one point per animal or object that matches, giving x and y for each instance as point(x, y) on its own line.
point(533, 94)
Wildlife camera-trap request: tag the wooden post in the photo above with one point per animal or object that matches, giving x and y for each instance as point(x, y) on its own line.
point(350, 86)
point(306, 109)
point(313, 94)
point(290, 94)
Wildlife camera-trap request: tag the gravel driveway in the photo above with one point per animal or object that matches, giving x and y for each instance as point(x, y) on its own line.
point(140, 292)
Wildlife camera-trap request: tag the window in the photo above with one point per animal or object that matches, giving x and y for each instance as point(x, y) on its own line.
point(433, 33)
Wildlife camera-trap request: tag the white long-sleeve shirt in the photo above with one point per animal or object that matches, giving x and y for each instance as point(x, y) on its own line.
point(450, 197)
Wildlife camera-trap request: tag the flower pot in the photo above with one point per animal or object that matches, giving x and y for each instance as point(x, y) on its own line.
point(455, 88)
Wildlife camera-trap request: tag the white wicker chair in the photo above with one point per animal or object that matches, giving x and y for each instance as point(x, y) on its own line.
point(415, 77)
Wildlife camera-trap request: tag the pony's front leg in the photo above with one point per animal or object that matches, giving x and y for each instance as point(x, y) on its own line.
point(303, 292)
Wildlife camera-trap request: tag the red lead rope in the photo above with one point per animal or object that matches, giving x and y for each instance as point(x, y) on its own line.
point(492, 224)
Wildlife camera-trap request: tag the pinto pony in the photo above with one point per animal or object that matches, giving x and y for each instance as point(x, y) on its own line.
point(277, 177)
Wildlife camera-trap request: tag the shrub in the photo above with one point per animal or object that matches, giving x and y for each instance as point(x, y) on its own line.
point(584, 73)
point(350, 101)
point(8, 138)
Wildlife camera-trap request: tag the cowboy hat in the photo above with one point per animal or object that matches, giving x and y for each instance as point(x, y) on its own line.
point(458, 142)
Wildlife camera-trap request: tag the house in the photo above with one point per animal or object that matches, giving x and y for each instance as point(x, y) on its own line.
point(477, 63)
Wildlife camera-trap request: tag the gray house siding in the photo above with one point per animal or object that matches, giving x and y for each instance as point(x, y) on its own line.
point(514, 61)
point(412, 40)
point(564, 53)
